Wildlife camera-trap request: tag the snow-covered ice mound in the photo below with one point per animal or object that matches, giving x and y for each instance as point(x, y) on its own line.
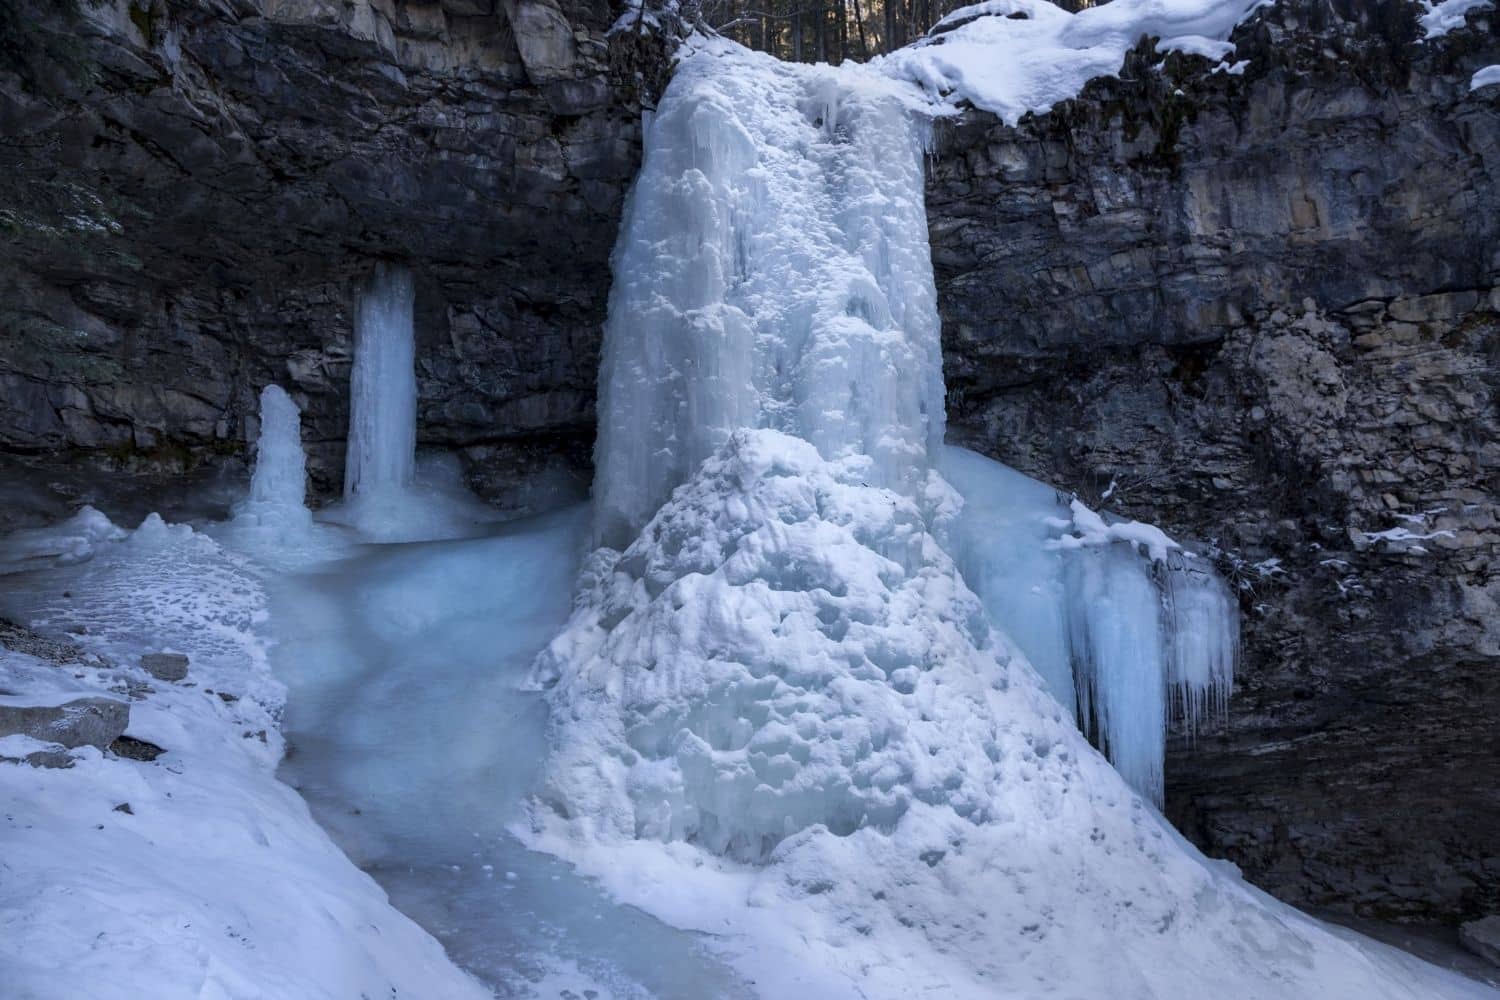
point(780, 715)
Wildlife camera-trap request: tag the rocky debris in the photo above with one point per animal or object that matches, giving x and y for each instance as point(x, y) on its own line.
point(1266, 308)
point(96, 722)
point(134, 749)
point(1482, 937)
point(61, 652)
point(165, 666)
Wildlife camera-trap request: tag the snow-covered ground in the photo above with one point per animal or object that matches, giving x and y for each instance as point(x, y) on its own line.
point(197, 874)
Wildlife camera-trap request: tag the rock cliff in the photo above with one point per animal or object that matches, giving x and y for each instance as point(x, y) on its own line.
point(186, 208)
point(1264, 306)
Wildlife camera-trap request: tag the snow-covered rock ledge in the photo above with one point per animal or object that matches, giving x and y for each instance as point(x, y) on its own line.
point(195, 874)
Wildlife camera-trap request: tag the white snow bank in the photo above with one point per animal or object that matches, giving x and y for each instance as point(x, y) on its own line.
point(1485, 77)
point(216, 882)
point(1011, 57)
point(781, 716)
point(1444, 16)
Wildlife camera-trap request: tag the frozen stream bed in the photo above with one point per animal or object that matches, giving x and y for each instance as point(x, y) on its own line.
point(413, 739)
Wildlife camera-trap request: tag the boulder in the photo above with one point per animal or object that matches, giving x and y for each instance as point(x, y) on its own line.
point(165, 666)
point(89, 721)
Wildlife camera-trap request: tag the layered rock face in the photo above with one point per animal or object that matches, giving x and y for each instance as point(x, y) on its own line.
point(1264, 307)
point(185, 215)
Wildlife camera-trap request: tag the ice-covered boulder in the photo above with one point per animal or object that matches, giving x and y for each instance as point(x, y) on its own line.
point(88, 721)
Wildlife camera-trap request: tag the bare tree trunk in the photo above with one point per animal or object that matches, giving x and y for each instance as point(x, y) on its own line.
point(820, 31)
point(859, 22)
point(797, 33)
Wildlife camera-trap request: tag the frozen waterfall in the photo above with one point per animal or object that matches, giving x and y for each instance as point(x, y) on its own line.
point(383, 386)
point(772, 271)
point(777, 712)
point(389, 494)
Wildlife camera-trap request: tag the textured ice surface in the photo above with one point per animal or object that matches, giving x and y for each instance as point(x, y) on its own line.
point(71, 541)
point(778, 275)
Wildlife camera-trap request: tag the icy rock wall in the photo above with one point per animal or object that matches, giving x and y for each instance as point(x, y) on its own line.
point(383, 391)
point(773, 271)
point(1128, 629)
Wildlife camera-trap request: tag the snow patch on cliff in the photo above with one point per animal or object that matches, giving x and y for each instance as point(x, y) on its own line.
point(1012, 57)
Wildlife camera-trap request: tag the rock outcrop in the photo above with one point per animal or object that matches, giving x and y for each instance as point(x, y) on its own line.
point(95, 722)
point(1264, 306)
point(187, 205)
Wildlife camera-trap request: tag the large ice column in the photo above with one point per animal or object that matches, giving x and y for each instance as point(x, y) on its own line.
point(772, 271)
point(1119, 650)
point(383, 386)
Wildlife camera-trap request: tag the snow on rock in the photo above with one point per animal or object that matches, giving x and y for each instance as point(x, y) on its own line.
point(772, 270)
point(1085, 527)
point(197, 874)
point(1486, 77)
point(1011, 57)
point(1445, 15)
point(782, 717)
